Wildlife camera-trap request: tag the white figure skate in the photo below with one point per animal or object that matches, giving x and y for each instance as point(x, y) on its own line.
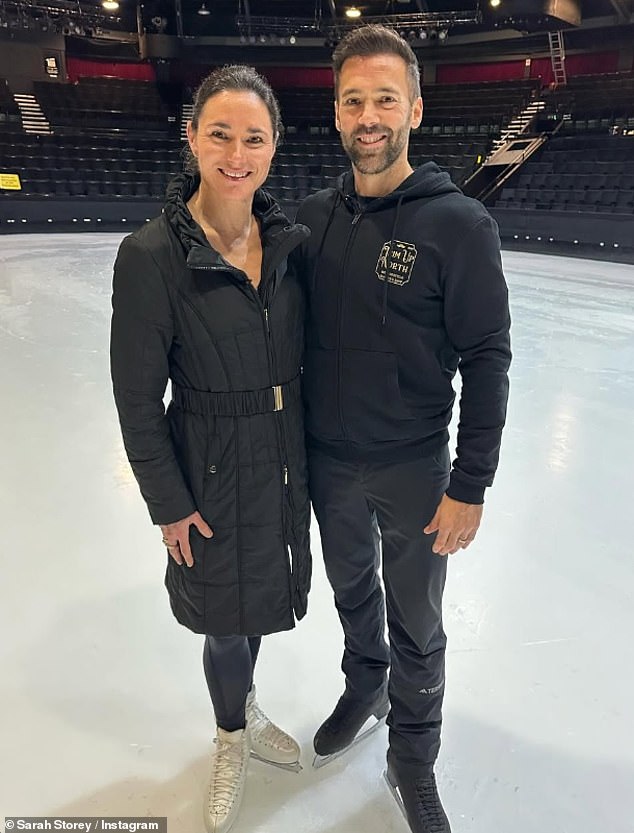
point(226, 785)
point(268, 742)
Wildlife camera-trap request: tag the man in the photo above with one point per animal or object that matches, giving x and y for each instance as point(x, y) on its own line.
point(405, 287)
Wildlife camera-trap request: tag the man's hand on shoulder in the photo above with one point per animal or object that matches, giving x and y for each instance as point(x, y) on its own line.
point(456, 525)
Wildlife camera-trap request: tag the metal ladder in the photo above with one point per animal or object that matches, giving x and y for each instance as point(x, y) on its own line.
point(558, 57)
point(519, 124)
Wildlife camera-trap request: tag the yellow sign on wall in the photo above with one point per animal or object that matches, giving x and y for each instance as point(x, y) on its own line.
point(10, 182)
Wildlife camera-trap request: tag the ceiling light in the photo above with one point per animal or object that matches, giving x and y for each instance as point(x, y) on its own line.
point(203, 10)
point(353, 12)
point(110, 5)
point(495, 3)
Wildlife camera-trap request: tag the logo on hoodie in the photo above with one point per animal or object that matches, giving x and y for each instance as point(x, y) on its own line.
point(396, 262)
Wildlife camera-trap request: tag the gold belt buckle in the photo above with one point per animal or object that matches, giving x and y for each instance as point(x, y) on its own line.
point(278, 398)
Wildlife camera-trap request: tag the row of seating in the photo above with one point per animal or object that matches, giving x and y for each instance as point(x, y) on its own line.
point(604, 196)
point(102, 94)
point(118, 184)
point(588, 174)
point(107, 123)
point(445, 147)
point(599, 144)
point(72, 147)
point(525, 84)
point(115, 177)
point(106, 105)
point(466, 112)
point(449, 109)
point(571, 181)
point(594, 103)
point(454, 128)
point(598, 124)
point(86, 141)
point(603, 201)
point(614, 152)
point(91, 189)
point(28, 165)
point(586, 166)
point(484, 130)
point(297, 187)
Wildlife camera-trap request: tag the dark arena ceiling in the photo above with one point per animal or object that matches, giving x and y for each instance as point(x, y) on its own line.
point(312, 25)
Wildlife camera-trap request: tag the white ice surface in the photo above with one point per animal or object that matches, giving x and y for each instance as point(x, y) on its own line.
point(103, 706)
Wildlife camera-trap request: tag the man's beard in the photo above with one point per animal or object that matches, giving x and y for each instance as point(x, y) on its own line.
point(379, 161)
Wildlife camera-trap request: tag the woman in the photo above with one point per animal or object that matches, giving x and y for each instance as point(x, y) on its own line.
point(203, 296)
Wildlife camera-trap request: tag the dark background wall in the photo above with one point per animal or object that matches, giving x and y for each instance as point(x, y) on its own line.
point(22, 57)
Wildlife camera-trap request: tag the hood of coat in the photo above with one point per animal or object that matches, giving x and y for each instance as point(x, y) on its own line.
point(426, 181)
point(275, 227)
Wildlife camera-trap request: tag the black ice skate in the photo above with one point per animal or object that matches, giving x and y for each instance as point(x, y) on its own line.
point(345, 726)
point(414, 789)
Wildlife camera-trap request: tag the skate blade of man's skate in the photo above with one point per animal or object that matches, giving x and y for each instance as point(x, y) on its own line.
point(322, 760)
point(393, 788)
point(295, 767)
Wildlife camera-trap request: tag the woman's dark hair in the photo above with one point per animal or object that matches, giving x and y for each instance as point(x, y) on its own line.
point(374, 39)
point(240, 78)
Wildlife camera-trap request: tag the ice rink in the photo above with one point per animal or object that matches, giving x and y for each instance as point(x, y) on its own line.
point(103, 704)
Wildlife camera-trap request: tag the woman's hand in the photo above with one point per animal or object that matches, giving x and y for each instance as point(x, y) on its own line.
point(176, 537)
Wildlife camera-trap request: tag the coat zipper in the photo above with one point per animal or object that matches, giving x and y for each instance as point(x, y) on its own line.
point(282, 443)
point(353, 230)
point(264, 313)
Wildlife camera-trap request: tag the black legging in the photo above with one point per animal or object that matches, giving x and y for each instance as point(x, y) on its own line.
point(229, 662)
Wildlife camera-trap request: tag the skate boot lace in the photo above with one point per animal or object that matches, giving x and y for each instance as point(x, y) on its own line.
point(429, 806)
point(265, 730)
point(227, 772)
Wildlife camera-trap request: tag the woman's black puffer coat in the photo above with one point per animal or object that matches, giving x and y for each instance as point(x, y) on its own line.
point(231, 444)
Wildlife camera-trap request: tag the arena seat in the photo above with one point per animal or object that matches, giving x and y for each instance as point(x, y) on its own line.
point(589, 173)
point(114, 140)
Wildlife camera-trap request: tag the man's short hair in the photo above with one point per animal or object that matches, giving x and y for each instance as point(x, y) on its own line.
point(374, 39)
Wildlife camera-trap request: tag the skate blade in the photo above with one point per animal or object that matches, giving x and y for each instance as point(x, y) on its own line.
point(396, 794)
point(295, 767)
point(322, 760)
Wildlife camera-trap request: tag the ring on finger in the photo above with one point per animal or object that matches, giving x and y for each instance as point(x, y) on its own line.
point(463, 540)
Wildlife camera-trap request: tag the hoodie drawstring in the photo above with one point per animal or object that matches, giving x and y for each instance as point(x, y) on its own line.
point(386, 282)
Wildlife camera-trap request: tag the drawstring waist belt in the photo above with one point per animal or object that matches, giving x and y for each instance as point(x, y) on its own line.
point(239, 402)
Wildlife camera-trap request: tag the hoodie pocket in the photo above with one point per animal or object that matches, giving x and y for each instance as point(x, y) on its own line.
point(372, 406)
point(320, 394)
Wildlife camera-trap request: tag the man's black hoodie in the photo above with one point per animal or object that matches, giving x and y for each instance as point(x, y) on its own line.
point(404, 290)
